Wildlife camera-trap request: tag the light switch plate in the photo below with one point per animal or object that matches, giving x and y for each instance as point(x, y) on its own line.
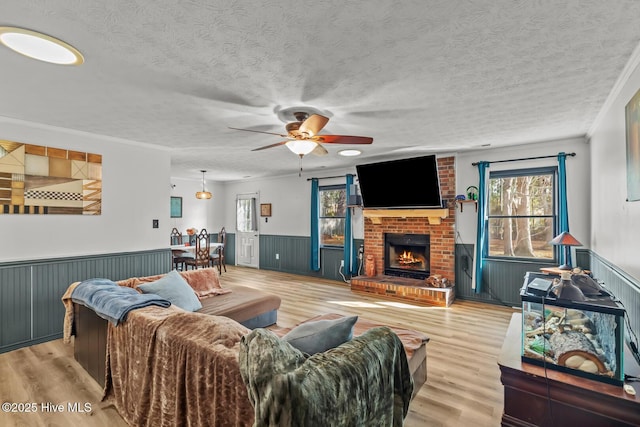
point(156, 223)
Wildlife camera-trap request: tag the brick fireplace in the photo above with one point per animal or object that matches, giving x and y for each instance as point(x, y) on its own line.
point(440, 233)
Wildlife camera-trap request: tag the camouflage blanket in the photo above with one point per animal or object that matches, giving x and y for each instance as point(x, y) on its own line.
point(365, 381)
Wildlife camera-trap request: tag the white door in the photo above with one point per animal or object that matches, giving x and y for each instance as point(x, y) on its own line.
point(247, 237)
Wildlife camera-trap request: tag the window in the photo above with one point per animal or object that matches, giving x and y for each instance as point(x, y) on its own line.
point(246, 214)
point(333, 208)
point(522, 218)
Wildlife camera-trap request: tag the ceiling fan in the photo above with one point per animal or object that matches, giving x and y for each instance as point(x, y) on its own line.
point(303, 135)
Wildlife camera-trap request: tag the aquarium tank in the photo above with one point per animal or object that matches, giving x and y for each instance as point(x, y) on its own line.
point(574, 325)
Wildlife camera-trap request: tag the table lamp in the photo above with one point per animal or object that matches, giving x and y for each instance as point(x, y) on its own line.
point(567, 240)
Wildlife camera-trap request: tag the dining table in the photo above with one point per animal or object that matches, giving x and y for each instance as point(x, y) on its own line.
point(177, 251)
point(213, 246)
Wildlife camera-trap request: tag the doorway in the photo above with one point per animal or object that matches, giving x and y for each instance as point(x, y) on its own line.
point(247, 241)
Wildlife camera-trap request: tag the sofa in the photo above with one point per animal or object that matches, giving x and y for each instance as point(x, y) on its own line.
point(166, 366)
point(249, 307)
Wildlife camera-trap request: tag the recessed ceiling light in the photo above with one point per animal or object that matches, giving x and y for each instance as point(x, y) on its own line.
point(40, 46)
point(349, 153)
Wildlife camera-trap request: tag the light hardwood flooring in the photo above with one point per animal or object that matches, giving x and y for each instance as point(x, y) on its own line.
point(463, 380)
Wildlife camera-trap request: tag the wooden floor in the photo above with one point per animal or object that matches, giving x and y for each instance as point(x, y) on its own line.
point(463, 383)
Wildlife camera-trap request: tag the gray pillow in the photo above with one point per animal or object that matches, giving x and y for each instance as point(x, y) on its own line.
point(321, 335)
point(174, 288)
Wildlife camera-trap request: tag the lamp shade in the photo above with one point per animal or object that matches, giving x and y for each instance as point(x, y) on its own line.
point(565, 239)
point(204, 194)
point(301, 147)
point(567, 290)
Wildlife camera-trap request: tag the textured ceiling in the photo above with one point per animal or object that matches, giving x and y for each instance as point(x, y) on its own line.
point(418, 76)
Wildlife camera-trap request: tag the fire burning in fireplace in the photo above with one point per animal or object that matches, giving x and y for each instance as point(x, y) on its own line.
point(406, 255)
point(407, 258)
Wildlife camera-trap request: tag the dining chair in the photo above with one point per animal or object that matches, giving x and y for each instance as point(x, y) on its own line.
point(178, 256)
point(202, 252)
point(217, 257)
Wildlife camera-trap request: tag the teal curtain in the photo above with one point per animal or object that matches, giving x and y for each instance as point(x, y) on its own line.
point(349, 247)
point(481, 238)
point(315, 228)
point(563, 211)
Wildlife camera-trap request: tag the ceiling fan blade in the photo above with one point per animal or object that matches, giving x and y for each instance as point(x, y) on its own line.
point(319, 150)
point(277, 144)
point(313, 124)
point(260, 131)
point(342, 139)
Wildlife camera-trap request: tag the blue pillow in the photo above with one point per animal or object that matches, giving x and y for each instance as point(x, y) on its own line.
point(173, 287)
point(321, 335)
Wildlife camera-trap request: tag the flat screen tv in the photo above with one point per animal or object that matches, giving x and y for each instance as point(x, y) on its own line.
point(400, 184)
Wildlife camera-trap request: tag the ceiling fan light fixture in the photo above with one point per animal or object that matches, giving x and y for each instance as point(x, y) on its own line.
point(349, 152)
point(301, 147)
point(40, 46)
point(204, 194)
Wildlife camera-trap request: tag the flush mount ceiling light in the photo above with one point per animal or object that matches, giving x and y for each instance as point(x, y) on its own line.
point(40, 46)
point(204, 194)
point(349, 153)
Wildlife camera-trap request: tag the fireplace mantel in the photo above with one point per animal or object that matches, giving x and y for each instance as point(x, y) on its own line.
point(433, 215)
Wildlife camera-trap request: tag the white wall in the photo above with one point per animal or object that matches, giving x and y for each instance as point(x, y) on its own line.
point(290, 198)
point(133, 194)
point(615, 222)
point(578, 181)
point(197, 213)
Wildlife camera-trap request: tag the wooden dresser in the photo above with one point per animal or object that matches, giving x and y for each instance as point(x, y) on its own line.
point(533, 397)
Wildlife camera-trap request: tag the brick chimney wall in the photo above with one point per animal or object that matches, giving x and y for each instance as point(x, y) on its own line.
point(442, 236)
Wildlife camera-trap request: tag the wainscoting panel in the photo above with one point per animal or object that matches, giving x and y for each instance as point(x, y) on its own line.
point(294, 253)
point(50, 281)
point(230, 249)
point(583, 259)
point(15, 305)
point(330, 263)
point(502, 279)
point(31, 309)
point(121, 266)
point(623, 286)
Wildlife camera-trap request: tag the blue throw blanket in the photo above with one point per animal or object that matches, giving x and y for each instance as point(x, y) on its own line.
point(113, 302)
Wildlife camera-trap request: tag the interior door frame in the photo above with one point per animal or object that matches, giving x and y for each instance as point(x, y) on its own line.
point(255, 259)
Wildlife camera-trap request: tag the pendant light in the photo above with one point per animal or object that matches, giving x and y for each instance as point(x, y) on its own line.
point(204, 194)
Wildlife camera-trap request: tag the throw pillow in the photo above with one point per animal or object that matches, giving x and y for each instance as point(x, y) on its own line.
point(174, 288)
point(321, 335)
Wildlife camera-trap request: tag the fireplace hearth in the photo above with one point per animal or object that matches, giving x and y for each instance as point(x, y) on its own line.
point(438, 248)
point(407, 255)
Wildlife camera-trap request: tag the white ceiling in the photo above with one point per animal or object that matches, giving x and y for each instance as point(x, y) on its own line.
point(418, 76)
